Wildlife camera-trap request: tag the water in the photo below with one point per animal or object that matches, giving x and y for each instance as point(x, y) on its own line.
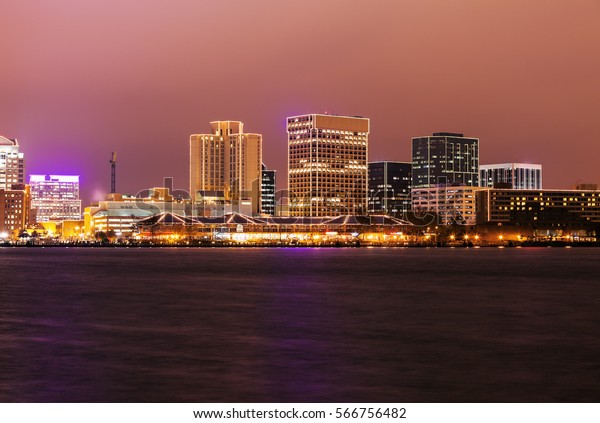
point(299, 325)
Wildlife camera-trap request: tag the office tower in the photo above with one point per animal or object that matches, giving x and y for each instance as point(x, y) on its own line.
point(12, 164)
point(267, 202)
point(511, 175)
point(327, 165)
point(55, 197)
point(227, 160)
point(389, 187)
point(445, 159)
point(14, 210)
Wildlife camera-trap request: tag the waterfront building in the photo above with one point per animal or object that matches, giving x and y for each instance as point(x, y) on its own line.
point(511, 175)
point(540, 208)
point(445, 158)
point(267, 202)
point(389, 187)
point(119, 212)
point(55, 197)
point(70, 230)
point(237, 229)
point(14, 210)
point(451, 205)
point(227, 160)
point(327, 165)
point(12, 164)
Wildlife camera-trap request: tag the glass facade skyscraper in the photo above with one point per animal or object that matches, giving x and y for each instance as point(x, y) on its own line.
point(445, 158)
point(267, 203)
point(389, 187)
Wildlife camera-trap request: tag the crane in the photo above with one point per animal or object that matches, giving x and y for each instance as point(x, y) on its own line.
point(113, 172)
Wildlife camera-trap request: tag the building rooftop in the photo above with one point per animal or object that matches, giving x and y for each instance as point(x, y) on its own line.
point(447, 134)
point(54, 178)
point(7, 141)
point(510, 165)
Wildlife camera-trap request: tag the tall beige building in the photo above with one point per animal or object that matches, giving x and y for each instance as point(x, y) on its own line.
point(227, 160)
point(327, 165)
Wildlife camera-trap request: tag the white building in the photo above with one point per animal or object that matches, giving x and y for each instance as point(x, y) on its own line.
point(451, 204)
point(55, 197)
point(119, 212)
point(12, 164)
point(511, 176)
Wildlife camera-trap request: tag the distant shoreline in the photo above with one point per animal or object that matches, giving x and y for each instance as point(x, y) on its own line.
point(549, 244)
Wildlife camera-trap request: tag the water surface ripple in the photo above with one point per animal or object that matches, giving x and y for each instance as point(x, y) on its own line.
point(300, 325)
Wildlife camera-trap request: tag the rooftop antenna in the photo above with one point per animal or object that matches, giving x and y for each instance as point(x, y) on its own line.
point(113, 172)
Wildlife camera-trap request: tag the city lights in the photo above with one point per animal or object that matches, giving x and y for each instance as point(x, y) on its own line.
point(332, 198)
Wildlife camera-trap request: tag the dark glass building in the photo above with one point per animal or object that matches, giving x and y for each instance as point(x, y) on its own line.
point(267, 200)
point(389, 187)
point(445, 158)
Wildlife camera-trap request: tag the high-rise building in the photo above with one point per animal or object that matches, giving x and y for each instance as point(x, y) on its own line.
point(267, 202)
point(511, 176)
point(12, 164)
point(227, 160)
point(389, 187)
point(327, 165)
point(14, 210)
point(55, 197)
point(445, 158)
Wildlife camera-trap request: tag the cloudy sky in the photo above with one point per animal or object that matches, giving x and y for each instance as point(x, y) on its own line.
point(80, 79)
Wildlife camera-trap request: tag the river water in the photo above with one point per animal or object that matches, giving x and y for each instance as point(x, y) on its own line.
point(300, 325)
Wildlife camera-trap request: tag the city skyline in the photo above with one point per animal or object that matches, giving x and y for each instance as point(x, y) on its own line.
point(331, 209)
point(520, 77)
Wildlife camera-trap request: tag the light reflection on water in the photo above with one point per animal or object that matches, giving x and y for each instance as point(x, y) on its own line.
point(299, 325)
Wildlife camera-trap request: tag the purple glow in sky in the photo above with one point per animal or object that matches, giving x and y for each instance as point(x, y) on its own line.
point(81, 79)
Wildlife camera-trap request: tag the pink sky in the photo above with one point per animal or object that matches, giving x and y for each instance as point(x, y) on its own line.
point(81, 79)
